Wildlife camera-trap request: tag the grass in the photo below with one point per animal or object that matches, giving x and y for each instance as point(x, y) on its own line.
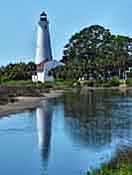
point(129, 82)
point(21, 82)
point(64, 83)
point(54, 84)
point(100, 83)
point(120, 165)
point(115, 82)
point(123, 169)
point(61, 84)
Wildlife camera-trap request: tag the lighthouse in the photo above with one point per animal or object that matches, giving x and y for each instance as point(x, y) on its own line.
point(44, 60)
point(43, 51)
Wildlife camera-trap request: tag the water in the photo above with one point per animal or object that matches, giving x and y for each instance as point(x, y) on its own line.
point(67, 135)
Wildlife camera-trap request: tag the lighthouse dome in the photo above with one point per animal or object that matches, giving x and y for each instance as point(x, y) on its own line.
point(43, 16)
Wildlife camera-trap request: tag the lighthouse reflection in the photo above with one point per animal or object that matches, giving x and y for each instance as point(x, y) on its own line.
point(44, 124)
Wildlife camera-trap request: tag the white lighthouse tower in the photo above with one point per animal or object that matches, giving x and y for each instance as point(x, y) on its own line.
point(43, 51)
point(44, 61)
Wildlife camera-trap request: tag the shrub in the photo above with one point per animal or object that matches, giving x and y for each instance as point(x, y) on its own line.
point(64, 83)
point(115, 81)
point(107, 84)
point(77, 84)
point(4, 79)
point(89, 83)
point(48, 85)
point(129, 82)
point(101, 83)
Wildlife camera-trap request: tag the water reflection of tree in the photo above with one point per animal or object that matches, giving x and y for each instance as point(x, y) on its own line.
point(85, 104)
point(89, 117)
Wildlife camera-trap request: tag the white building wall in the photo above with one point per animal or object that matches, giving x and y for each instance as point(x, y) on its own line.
point(40, 76)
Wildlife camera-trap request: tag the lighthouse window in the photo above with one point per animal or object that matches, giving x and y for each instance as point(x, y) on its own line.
point(43, 19)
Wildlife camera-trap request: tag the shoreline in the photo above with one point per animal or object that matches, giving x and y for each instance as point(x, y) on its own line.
point(108, 88)
point(24, 103)
point(122, 89)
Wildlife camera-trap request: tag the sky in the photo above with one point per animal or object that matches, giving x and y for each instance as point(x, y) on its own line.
point(18, 23)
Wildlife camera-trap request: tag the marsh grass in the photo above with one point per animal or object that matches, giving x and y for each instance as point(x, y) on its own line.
point(121, 165)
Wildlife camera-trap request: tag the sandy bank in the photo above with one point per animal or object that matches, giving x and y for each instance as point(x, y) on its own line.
point(25, 103)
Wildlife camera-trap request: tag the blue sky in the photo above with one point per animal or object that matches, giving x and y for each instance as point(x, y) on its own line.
point(19, 18)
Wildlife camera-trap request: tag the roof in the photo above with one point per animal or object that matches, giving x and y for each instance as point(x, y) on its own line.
point(43, 14)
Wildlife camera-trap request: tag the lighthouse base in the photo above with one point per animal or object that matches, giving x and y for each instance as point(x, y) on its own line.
point(43, 76)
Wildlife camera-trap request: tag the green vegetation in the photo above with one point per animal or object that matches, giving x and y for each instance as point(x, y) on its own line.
point(120, 165)
point(123, 169)
point(17, 71)
point(19, 82)
point(62, 84)
point(95, 52)
point(29, 83)
point(129, 82)
point(114, 82)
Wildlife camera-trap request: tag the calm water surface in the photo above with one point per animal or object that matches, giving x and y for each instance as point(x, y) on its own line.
point(68, 135)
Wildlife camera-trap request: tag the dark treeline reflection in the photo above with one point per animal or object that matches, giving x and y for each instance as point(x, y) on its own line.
point(44, 124)
point(97, 118)
point(96, 121)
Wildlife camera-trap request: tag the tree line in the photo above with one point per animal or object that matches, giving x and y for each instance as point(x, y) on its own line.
point(95, 53)
point(17, 71)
